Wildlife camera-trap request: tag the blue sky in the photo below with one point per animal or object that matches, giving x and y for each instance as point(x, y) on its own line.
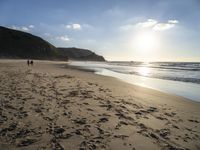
point(144, 30)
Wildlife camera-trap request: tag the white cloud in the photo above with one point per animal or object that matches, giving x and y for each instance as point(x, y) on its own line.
point(148, 23)
point(173, 21)
point(68, 26)
point(47, 34)
point(87, 26)
point(20, 28)
point(163, 26)
point(151, 24)
point(74, 26)
point(63, 38)
point(31, 26)
point(23, 28)
point(15, 28)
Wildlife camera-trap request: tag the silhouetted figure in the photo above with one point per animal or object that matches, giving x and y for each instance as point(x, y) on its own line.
point(28, 62)
point(31, 62)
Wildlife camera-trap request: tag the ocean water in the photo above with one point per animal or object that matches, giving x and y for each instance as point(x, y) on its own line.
point(179, 78)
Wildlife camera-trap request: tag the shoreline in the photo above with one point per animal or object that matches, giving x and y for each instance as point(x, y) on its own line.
point(48, 106)
point(184, 89)
point(130, 85)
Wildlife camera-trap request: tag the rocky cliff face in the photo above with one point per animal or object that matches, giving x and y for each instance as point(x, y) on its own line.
point(18, 44)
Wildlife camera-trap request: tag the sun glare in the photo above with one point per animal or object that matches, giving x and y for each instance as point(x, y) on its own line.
point(144, 71)
point(146, 41)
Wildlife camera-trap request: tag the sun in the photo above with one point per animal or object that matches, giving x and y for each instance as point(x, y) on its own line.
point(146, 41)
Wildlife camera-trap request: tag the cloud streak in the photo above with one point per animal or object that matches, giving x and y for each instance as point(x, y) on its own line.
point(64, 38)
point(173, 21)
point(74, 26)
point(163, 26)
point(151, 24)
point(23, 28)
point(148, 23)
point(31, 26)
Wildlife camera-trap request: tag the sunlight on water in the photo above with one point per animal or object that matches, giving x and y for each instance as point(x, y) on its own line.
point(175, 78)
point(187, 90)
point(144, 71)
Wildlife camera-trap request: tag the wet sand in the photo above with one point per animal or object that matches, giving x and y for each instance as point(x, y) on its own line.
point(47, 106)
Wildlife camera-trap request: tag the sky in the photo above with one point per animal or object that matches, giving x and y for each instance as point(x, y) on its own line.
point(135, 30)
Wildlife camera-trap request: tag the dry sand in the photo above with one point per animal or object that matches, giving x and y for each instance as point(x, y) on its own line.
point(50, 107)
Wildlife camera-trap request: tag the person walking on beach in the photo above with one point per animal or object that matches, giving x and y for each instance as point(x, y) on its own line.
point(31, 63)
point(28, 62)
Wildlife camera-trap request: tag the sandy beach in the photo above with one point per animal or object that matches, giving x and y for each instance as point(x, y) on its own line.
point(49, 106)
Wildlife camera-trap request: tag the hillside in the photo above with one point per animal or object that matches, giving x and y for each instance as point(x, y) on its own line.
point(18, 44)
point(80, 54)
